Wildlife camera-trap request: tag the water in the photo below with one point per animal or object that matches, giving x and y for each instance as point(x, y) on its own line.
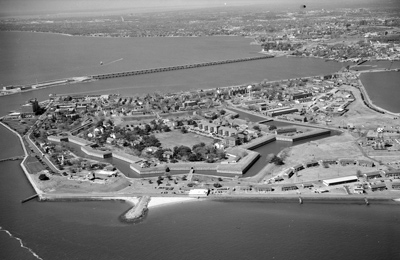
point(382, 88)
point(212, 229)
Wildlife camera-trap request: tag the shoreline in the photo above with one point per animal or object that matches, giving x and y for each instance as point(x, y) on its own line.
point(22, 164)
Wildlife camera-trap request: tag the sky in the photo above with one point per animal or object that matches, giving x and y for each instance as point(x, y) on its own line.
point(41, 7)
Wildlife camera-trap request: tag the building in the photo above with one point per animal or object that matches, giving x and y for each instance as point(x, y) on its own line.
point(358, 189)
point(396, 186)
point(312, 164)
point(58, 139)
point(378, 187)
point(289, 187)
point(284, 130)
point(341, 180)
point(372, 135)
point(345, 162)
point(394, 174)
point(300, 95)
point(366, 163)
point(372, 175)
point(227, 131)
point(198, 193)
point(281, 111)
point(208, 127)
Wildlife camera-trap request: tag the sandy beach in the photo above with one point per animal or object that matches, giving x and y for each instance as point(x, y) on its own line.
point(162, 201)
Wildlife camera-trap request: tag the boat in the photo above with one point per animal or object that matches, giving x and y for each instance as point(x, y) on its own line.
point(101, 63)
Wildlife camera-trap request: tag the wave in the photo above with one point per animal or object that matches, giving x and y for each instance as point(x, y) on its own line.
point(21, 243)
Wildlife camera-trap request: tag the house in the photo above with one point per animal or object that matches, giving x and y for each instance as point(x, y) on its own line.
point(307, 185)
point(227, 131)
point(372, 175)
point(312, 164)
point(289, 187)
point(298, 167)
point(396, 186)
point(372, 135)
point(378, 187)
point(366, 163)
point(208, 127)
point(358, 189)
point(264, 189)
point(329, 162)
point(394, 173)
point(231, 140)
point(346, 162)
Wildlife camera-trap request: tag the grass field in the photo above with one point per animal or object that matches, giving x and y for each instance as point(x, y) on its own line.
point(176, 138)
point(33, 165)
point(18, 126)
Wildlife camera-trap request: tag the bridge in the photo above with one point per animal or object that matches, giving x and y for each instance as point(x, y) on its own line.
point(181, 67)
point(12, 158)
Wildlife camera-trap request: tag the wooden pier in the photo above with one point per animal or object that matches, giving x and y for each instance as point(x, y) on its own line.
point(30, 198)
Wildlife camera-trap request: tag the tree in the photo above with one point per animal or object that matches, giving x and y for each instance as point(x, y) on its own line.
point(272, 127)
point(43, 177)
point(277, 160)
point(217, 185)
point(270, 157)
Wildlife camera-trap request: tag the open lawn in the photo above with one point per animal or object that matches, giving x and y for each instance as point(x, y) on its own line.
point(33, 165)
point(176, 138)
point(21, 126)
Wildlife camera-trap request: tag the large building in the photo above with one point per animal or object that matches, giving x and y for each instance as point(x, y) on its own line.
point(341, 180)
point(300, 95)
point(281, 111)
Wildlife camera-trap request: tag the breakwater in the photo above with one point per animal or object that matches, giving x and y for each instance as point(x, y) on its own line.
point(12, 158)
point(138, 211)
point(171, 68)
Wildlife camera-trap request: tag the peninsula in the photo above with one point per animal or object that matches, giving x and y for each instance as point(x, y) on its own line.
point(201, 144)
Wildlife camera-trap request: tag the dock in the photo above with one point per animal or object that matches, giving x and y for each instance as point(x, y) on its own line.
point(30, 198)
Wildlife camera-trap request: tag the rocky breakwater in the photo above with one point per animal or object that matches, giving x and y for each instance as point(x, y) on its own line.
point(138, 211)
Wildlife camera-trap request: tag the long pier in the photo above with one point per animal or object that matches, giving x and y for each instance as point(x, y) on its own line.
point(181, 67)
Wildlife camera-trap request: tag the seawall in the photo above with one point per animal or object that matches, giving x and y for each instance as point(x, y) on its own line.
point(27, 174)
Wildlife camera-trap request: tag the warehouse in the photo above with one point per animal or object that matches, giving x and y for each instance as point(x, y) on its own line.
point(340, 180)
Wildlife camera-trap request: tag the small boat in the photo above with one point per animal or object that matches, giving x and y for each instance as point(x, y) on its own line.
point(300, 200)
point(101, 63)
point(366, 201)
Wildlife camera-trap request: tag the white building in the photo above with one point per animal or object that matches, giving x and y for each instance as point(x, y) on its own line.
point(198, 193)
